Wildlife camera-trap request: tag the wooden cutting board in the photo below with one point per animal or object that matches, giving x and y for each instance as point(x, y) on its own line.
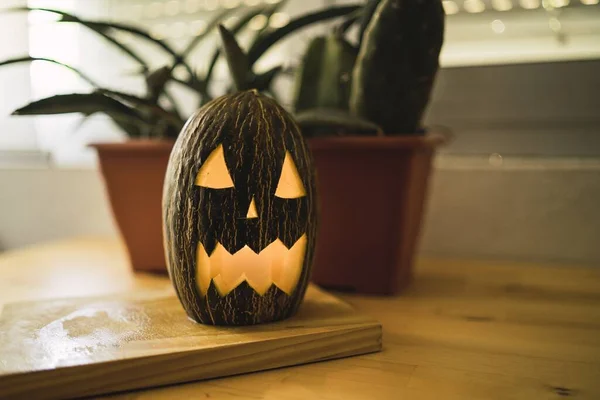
point(90, 346)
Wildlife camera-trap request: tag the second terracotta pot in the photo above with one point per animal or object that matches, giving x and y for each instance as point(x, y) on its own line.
point(372, 194)
point(134, 174)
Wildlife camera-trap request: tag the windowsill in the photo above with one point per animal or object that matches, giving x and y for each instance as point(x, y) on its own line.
point(24, 159)
point(43, 159)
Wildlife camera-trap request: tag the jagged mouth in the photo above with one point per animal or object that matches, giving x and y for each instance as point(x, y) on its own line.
point(274, 265)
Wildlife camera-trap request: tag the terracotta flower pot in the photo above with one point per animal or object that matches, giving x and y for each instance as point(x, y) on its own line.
point(133, 174)
point(372, 193)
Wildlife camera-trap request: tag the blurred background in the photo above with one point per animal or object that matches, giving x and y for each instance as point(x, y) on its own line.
point(518, 87)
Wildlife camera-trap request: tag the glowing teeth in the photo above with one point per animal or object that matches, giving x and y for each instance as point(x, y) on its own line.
point(275, 264)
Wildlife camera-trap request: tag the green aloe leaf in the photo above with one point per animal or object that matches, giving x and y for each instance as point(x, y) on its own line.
point(236, 59)
point(127, 118)
point(268, 39)
point(196, 86)
point(30, 59)
point(350, 20)
point(127, 50)
point(85, 103)
point(156, 81)
point(261, 82)
point(143, 104)
point(237, 27)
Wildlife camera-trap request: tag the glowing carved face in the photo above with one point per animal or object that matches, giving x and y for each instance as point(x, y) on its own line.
point(275, 264)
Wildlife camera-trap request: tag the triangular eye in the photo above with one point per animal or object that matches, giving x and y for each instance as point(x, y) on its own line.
point(290, 185)
point(213, 173)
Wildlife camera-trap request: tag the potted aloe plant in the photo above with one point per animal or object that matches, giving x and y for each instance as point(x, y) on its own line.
point(360, 104)
point(134, 171)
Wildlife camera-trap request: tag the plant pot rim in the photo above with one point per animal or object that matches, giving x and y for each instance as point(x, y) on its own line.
point(134, 146)
point(428, 140)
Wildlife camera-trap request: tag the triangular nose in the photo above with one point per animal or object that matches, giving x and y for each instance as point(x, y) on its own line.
point(252, 210)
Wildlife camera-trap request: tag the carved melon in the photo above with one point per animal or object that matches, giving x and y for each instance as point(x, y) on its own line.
point(239, 210)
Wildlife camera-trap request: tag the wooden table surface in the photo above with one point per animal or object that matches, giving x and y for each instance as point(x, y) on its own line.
point(463, 330)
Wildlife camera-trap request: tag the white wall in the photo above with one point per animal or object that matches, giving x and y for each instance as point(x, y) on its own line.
point(14, 80)
point(526, 209)
point(38, 205)
point(534, 210)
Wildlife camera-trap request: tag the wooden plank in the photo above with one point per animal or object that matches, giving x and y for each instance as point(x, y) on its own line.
point(81, 347)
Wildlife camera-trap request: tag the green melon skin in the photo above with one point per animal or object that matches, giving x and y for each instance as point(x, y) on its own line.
point(397, 64)
point(255, 133)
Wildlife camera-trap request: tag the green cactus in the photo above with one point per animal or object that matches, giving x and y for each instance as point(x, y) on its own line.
point(365, 17)
point(397, 64)
point(324, 77)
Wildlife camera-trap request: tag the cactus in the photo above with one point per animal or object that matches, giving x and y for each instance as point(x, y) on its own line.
point(323, 79)
point(365, 18)
point(397, 64)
